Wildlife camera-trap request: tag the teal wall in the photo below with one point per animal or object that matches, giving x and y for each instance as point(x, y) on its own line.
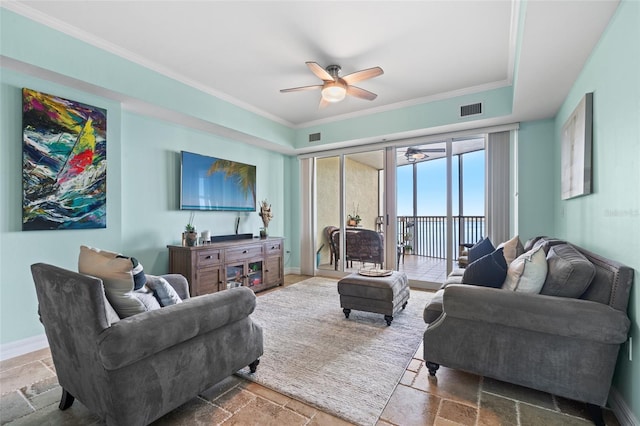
point(496, 103)
point(143, 216)
point(536, 179)
point(608, 221)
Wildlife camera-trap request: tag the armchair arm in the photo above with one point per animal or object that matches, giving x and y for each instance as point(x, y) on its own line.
point(179, 284)
point(561, 316)
point(139, 336)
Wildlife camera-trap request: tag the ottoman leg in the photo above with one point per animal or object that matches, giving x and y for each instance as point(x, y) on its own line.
point(388, 319)
point(346, 312)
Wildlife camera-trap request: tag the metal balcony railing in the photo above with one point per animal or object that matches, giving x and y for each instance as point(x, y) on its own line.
point(427, 234)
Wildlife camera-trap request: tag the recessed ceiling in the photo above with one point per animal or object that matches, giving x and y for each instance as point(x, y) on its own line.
point(245, 52)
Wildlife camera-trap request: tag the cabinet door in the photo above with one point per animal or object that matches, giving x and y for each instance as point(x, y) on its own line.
point(234, 275)
point(273, 271)
point(254, 276)
point(209, 281)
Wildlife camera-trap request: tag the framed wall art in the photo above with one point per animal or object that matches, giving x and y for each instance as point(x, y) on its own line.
point(577, 140)
point(64, 163)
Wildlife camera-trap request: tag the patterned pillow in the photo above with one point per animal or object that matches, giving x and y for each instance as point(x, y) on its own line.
point(488, 271)
point(527, 272)
point(480, 249)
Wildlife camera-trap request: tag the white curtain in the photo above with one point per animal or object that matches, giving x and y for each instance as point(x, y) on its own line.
point(498, 188)
point(307, 253)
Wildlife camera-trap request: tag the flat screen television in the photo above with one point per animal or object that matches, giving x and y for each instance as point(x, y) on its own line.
point(210, 183)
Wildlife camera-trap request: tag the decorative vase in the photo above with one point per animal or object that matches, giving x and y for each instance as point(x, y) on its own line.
point(191, 238)
point(264, 233)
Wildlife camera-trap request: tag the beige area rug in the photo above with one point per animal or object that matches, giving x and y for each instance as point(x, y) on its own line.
point(347, 367)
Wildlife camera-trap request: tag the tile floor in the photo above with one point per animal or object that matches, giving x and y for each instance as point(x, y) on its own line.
point(30, 394)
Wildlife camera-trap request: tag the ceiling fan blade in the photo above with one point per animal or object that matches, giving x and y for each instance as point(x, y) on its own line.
point(362, 75)
point(320, 72)
point(302, 88)
point(361, 93)
point(323, 103)
point(432, 150)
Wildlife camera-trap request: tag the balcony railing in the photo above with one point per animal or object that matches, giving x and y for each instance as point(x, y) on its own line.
point(427, 235)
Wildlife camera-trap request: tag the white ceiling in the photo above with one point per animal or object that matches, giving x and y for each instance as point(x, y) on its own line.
point(245, 52)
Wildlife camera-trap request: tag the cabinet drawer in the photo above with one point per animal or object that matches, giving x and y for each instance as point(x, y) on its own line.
point(242, 253)
point(208, 258)
point(274, 248)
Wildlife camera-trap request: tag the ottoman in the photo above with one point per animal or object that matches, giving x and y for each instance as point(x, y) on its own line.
point(381, 295)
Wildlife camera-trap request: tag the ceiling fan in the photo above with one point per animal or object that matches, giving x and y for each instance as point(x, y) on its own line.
point(335, 88)
point(414, 154)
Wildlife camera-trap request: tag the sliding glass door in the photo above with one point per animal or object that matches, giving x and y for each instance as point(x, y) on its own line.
point(440, 205)
point(348, 212)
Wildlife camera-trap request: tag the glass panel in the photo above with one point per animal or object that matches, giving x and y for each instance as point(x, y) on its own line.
point(327, 210)
point(363, 195)
point(235, 275)
point(422, 205)
point(254, 276)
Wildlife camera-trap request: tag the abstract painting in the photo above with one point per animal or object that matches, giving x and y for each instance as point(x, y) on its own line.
point(577, 134)
point(64, 163)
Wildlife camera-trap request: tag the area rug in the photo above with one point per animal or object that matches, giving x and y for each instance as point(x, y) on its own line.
point(346, 367)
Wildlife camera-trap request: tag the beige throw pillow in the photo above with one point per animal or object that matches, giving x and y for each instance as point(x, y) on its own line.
point(116, 275)
point(528, 272)
point(512, 249)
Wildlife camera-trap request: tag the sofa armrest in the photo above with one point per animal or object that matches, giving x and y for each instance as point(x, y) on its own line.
point(179, 284)
point(139, 336)
point(545, 314)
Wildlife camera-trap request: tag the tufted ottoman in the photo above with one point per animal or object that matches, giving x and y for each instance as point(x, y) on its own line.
point(381, 295)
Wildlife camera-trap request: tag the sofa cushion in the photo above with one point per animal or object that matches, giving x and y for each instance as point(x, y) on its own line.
point(570, 273)
point(479, 249)
point(163, 291)
point(527, 272)
point(512, 249)
point(433, 310)
point(116, 274)
point(488, 271)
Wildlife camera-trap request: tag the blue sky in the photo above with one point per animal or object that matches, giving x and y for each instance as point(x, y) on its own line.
point(431, 181)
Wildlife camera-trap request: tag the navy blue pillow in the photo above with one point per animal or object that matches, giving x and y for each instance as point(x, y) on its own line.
point(488, 271)
point(481, 248)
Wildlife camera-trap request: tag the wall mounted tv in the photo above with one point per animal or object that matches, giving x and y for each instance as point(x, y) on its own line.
point(209, 183)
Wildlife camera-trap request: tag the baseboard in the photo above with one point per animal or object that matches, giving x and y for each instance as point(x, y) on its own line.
point(292, 270)
point(24, 346)
point(621, 409)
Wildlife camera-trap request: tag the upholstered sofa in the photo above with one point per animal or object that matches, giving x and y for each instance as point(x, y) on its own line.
point(133, 370)
point(554, 342)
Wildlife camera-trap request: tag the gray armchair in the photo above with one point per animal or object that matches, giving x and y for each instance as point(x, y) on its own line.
point(132, 371)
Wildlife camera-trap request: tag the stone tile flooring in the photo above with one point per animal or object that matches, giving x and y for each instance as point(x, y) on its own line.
point(30, 394)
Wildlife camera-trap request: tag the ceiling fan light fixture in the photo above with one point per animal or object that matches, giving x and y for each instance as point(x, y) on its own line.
point(414, 156)
point(334, 91)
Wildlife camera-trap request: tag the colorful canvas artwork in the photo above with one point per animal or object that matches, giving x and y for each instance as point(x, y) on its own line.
point(64, 163)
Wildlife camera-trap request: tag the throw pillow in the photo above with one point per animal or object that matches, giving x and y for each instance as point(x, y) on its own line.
point(527, 272)
point(480, 249)
point(488, 271)
point(163, 291)
point(512, 249)
point(570, 273)
point(116, 274)
point(139, 277)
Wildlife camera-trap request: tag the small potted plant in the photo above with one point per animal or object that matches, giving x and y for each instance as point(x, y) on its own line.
point(190, 234)
point(354, 219)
